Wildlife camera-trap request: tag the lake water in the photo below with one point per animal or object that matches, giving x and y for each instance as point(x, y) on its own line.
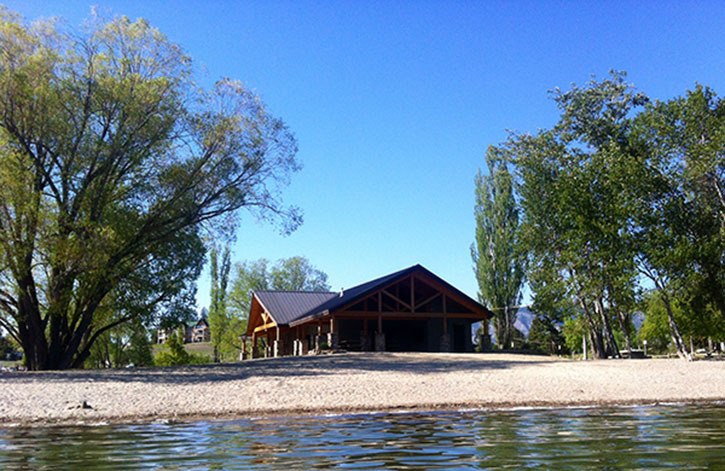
point(676, 436)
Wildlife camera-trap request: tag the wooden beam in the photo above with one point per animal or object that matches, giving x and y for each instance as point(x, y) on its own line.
point(455, 296)
point(427, 300)
point(398, 314)
point(397, 299)
point(265, 327)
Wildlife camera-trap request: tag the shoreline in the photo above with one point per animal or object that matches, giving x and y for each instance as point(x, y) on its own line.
point(345, 413)
point(350, 384)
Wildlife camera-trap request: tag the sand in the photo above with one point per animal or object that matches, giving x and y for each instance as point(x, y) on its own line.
point(348, 383)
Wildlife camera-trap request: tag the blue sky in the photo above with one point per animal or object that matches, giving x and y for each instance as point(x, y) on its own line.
point(394, 102)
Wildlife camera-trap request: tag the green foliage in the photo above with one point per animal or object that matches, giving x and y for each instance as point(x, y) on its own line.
point(296, 274)
point(498, 262)
point(7, 348)
point(114, 165)
point(124, 345)
point(574, 331)
point(696, 324)
point(139, 349)
point(219, 318)
point(248, 276)
point(620, 189)
point(575, 219)
point(544, 336)
point(174, 354)
point(655, 328)
point(679, 215)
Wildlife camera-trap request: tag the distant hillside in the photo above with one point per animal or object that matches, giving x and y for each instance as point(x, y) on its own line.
point(524, 318)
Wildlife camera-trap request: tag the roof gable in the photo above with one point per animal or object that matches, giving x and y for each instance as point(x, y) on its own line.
point(348, 297)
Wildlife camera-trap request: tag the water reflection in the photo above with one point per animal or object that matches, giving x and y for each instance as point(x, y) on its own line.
point(634, 438)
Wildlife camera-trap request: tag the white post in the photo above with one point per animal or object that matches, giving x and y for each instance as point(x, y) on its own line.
point(584, 346)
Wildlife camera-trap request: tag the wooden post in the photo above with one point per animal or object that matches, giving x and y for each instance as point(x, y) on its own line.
point(380, 312)
point(254, 344)
point(276, 351)
point(332, 338)
point(412, 292)
point(445, 344)
point(379, 335)
point(364, 342)
point(298, 342)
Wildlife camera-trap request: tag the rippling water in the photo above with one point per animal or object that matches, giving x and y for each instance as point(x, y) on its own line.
point(678, 437)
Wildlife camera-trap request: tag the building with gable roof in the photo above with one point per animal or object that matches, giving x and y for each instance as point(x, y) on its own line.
point(409, 310)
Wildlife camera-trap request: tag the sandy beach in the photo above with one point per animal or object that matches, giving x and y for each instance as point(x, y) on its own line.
point(349, 383)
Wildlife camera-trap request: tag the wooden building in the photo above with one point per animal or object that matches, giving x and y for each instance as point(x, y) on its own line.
point(409, 310)
point(197, 332)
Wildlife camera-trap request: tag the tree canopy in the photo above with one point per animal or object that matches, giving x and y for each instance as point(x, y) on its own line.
point(623, 195)
point(113, 164)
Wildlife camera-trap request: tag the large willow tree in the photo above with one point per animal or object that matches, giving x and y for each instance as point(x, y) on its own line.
point(112, 164)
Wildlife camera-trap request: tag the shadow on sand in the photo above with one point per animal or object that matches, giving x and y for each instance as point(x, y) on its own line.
point(309, 366)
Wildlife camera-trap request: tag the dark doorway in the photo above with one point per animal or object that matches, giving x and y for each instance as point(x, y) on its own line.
point(459, 338)
point(406, 336)
point(350, 334)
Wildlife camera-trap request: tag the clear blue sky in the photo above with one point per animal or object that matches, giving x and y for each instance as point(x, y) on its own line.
point(394, 102)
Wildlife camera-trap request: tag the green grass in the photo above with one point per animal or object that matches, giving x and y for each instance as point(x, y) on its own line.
point(202, 348)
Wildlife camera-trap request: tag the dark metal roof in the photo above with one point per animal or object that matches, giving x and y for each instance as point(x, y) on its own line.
point(352, 294)
point(290, 307)
point(285, 306)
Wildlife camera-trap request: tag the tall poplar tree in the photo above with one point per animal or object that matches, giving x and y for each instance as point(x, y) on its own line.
point(498, 262)
point(219, 319)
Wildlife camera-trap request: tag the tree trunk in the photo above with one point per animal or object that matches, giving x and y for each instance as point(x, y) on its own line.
point(32, 335)
point(624, 325)
point(507, 328)
point(502, 337)
point(610, 342)
point(674, 330)
point(595, 336)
